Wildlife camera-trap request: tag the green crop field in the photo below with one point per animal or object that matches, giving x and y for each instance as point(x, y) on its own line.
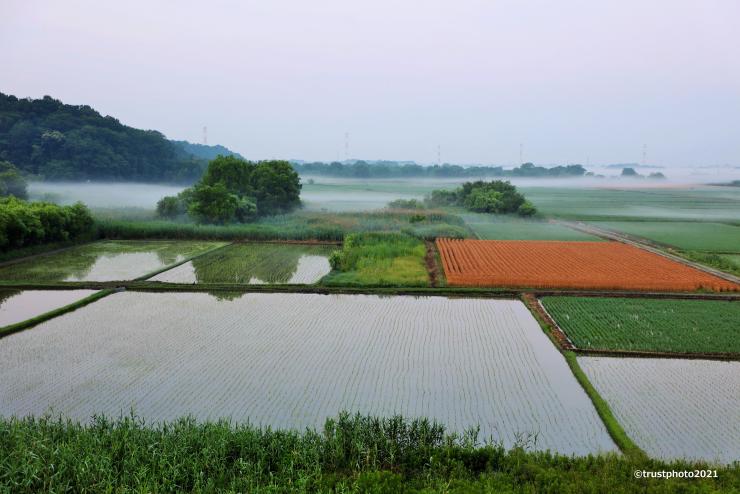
point(255, 264)
point(648, 324)
point(379, 259)
point(709, 237)
point(507, 227)
point(105, 261)
point(611, 204)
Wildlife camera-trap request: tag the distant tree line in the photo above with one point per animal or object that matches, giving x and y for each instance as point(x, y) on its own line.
point(391, 169)
point(497, 197)
point(53, 141)
point(24, 224)
point(233, 190)
point(631, 173)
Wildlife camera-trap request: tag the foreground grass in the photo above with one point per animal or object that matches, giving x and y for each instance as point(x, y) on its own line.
point(351, 454)
point(648, 324)
point(392, 259)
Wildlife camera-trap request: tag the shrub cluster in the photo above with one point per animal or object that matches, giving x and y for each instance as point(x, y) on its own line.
point(25, 224)
point(234, 190)
point(496, 197)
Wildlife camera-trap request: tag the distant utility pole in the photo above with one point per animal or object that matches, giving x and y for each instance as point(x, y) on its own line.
point(205, 135)
point(439, 155)
point(644, 154)
point(346, 146)
point(521, 153)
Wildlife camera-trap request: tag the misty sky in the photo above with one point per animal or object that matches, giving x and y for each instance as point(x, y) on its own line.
point(572, 80)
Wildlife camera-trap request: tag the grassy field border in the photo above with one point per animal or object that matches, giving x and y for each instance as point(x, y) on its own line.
point(29, 323)
point(613, 427)
point(496, 292)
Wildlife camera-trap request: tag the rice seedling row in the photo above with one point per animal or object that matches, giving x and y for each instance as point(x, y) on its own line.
point(291, 360)
point(641, 324)
point(673, 408)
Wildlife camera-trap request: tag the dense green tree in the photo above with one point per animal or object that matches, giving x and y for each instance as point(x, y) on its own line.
point(213, 204)
point(170, 207)
point(629, 172)
point(484, 201)
point(485, 197)
point(236, 190)
point(526, 209)
point(23, 224)
point(233, 173)
point(276, 186)
point(12, 182)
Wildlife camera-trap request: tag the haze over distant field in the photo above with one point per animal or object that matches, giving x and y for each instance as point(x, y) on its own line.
point(574, 81)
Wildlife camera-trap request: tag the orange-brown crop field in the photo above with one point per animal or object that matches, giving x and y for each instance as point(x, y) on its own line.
point(579, 265)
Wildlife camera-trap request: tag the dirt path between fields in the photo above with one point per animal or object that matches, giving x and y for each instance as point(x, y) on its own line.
point(431, 263)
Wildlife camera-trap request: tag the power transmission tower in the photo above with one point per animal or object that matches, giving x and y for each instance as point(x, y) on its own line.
point(644, 154)
point(521, 153)
point(205, 135)
point(346, 146)
point(439, 155)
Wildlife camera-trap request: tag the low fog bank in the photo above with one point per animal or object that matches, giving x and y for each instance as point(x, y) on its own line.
point(102, 195)
point(322, 193)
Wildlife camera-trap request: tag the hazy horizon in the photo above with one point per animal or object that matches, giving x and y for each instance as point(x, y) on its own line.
point(573, 81)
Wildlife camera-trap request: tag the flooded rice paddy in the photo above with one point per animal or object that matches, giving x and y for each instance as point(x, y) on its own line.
point(105, 261)
point(19, 305)
point(291, 360)
point(673, 408)
point(254, 263)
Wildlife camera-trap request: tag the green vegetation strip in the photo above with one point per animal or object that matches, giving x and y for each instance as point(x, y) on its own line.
point(327, 227)
point(351, 454)
point(28, 323)
point(642, 324)
point(187, 259)
point(729, 263)
point(617, 433)
point(388, 259)
point(615, 430)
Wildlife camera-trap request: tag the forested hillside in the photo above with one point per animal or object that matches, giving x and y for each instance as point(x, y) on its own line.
point(52, 141)
point(205, 151)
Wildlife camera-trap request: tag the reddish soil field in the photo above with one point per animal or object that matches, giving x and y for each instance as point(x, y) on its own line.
point(580, 265)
